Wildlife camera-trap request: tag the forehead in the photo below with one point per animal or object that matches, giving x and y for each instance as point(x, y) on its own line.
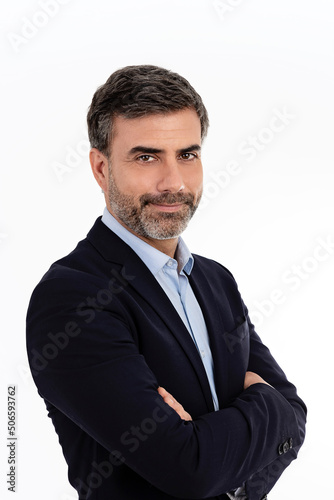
point(174, 127)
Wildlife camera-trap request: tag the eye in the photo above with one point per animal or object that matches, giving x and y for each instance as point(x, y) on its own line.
point(188, 156)
point(145, 158)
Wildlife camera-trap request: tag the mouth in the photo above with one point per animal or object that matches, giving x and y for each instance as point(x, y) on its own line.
point(173, 207)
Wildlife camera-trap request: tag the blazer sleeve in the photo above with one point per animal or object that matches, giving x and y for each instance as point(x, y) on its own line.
point(262, 362)
point(86, 362)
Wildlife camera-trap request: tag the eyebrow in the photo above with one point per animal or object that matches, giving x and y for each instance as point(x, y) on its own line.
point(148, 150)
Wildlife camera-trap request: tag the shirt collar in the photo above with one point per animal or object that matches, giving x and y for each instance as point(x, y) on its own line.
point(152, 258)
point(183, 256)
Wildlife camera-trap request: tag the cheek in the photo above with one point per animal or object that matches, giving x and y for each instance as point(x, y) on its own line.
point(135, 183)
point(194, 180)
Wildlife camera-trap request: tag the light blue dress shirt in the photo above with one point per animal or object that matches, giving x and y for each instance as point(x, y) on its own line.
point(172, 274)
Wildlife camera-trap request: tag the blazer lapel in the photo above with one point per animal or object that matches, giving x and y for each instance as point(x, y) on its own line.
point(212, 312)
point(138, 276)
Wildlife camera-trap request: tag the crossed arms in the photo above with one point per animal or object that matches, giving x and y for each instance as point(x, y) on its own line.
point(200, 458)
point(250, 379)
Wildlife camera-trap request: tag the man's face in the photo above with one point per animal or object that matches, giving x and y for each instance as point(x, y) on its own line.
point(155, 173)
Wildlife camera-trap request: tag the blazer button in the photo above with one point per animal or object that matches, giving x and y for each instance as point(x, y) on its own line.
point(285, 447)
point(265, 497)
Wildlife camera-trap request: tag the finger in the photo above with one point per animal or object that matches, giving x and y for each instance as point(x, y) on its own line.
point(162, 391)
point(186, 416)
point(168, 398)
point(173, 403)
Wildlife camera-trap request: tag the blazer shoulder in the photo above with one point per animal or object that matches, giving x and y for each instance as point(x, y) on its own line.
point(79, 262)
point(212, 266)
point(100, 248)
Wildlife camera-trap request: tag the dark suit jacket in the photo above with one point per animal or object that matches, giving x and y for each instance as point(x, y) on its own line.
point(102, 335)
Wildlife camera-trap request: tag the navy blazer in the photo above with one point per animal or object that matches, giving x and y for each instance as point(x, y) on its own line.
point(102, 336)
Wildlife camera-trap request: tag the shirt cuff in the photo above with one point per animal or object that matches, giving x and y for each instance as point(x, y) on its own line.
point(238, 494)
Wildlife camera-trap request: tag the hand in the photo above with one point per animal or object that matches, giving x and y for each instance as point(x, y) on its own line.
point(168, 398)
point(253, 378)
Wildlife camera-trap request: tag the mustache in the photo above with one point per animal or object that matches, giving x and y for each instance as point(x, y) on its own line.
point(167, 199)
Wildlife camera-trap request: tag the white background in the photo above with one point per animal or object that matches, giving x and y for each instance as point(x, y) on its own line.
point(258, 58)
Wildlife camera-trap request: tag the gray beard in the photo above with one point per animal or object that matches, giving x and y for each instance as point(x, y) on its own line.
point(160, 226)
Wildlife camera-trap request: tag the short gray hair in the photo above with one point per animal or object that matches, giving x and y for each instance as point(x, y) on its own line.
point(137, 91)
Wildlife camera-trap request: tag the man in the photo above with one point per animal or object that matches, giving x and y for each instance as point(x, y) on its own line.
point(152, 373)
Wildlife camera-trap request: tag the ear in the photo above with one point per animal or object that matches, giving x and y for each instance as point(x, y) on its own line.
point(99, 164)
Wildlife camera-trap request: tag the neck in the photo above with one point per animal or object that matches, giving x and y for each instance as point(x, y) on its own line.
point(165, 246)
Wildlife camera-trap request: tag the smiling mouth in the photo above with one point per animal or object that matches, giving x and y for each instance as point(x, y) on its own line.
point(168, 208)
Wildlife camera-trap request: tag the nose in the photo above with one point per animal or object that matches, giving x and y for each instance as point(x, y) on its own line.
point(170, 179)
